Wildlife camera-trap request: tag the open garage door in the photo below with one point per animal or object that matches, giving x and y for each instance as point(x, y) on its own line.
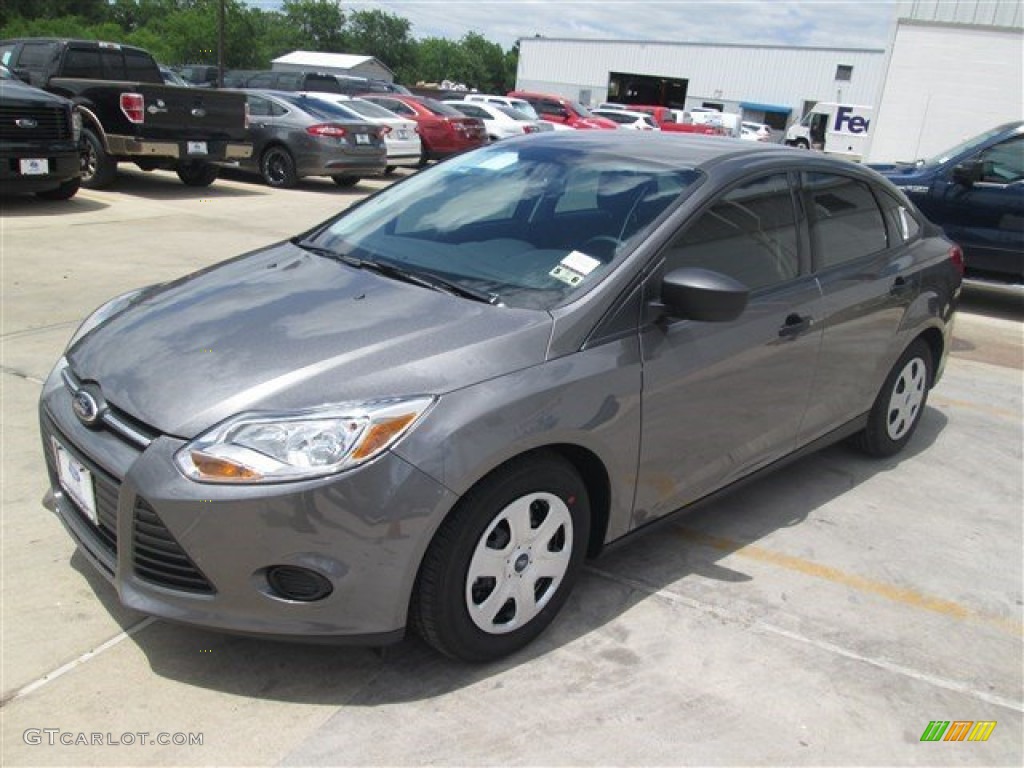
point(629, 88)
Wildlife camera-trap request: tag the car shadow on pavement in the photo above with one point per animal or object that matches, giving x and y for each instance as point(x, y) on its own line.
point(655, 560)
point(24, 206)
point(1001, 302)
point(165, 185)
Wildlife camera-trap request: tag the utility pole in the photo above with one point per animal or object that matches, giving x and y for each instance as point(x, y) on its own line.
point(220, 44)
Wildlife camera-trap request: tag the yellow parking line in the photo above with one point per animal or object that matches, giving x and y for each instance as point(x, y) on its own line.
point(902, 595)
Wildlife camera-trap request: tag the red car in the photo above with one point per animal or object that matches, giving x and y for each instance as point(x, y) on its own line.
point(558, 109)
point(666, 120)
point(444, 131)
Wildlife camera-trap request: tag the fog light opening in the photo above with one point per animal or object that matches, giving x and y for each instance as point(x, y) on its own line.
point(302, 585)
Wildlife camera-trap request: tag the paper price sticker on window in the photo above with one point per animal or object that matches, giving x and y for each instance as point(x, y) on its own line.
point(574, 268)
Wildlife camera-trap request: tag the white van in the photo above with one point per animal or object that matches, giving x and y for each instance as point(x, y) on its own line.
point(835, 129)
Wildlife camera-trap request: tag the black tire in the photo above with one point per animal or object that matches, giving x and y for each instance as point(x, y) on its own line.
point(345, 182)
point(388, 170)
point(196, 173)
point(98, 168)
point(551, 499)
point(277, 167)
point(65, 191)
point(801, 144)
point(897, 409)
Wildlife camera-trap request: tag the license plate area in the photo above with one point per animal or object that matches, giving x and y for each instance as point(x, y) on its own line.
point(197, 148)
point(34, 166)
point(362, 138)
point(76, 481)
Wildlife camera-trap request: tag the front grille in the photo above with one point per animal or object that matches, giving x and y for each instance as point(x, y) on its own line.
point(157, 556)
point(106, 488)
point(50, 124)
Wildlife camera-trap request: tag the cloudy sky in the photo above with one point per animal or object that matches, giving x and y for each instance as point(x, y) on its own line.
point(829, 23)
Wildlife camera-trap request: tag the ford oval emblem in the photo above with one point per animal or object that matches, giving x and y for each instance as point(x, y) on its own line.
point(26, 122)
point(85, 407)
point(198, 112)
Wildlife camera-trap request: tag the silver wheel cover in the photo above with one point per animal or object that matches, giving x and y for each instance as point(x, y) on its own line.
point(519, 563)
point(905, 401)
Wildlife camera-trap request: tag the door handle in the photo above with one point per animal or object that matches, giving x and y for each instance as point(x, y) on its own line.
point(795, 325)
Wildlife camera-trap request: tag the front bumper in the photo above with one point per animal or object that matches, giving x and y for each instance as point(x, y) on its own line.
point(63, 165)
point(200, 554)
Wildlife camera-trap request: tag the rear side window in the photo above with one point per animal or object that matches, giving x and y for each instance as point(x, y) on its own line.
point(141, 67)
point(903, 227)
point(83, 63)
point(36, 55)
point(322, 83)
point(113, 64)
point(845, 220)
point(750, 235)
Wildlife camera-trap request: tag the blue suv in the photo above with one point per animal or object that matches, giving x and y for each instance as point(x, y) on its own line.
point(975, 192)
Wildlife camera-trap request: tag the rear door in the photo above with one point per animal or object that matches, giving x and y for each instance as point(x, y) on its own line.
point(867, 287)
point(721, 400)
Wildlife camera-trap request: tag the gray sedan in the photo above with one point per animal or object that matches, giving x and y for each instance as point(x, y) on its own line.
point(429, 410)
point(294, 135)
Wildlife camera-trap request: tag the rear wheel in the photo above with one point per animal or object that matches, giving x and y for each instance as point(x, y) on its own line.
point(897, 409)
point(98, 168)
point(801, 144)
point(503, 563)
point(196, 173)
point(278, 168)
point(388, 170)
point(345, 182)
point(65, 191)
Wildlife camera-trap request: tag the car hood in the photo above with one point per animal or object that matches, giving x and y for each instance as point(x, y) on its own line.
point(283, 329)
point(17, 93)
point(904, 173)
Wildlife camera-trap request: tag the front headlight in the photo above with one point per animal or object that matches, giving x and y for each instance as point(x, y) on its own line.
point(276, 447)
point(105, 312)
point(76, 124)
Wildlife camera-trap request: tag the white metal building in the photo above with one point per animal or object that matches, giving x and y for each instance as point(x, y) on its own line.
point(333, 63)
point(772, 84)
point(954, 69)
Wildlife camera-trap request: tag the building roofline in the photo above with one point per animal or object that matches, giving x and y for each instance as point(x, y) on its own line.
point(676, 43)
point(909, 22)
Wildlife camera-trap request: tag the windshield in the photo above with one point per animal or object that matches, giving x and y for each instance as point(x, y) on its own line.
point(529, 223)
point(515, 114)
point(579, 109)
point(525, 107)
point(320, 109)
point(369, 109)
point(962, 147)
point(444, 110)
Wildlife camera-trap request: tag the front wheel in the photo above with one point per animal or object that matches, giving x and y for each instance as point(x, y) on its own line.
point(503, 563)
point(98, 168)
point(196, 173)
point(801, 144)
point(897, 409)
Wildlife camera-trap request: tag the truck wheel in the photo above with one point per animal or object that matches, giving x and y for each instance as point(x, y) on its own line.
point(65, 191)
point(98, 168)
point(196, 173)
point(278, 168)
point(345, 182)
point(801, 144)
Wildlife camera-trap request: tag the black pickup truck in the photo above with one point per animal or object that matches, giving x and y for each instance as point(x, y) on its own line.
point(129, 114)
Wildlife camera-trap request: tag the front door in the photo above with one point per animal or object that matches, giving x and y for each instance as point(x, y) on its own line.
point(721, 400)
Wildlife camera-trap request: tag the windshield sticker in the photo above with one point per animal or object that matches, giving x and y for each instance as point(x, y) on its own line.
point(580, 262)
point(566, 275)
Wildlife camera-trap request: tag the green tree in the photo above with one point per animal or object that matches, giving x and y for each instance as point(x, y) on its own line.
point(438, 59)
point(384, 36)
point(484, 64)
point(90, 11)
point(319, 23)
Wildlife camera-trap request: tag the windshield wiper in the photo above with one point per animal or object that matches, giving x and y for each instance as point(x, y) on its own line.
point(415, 277)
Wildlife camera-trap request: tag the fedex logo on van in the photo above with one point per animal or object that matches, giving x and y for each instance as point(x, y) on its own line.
point(854, 123)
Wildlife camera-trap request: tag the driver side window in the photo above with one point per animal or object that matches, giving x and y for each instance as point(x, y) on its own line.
point(1003, 163)
point(750, 234)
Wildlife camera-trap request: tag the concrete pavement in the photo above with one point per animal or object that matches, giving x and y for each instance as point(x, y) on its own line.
point(824, 615)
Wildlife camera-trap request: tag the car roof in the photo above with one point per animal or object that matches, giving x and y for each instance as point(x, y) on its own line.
point(626, 112)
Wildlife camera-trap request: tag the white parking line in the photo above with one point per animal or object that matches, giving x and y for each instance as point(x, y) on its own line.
point(760, 626)
point(63, 670)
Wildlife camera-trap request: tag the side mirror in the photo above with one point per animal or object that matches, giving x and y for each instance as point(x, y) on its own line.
point(969, 172)
point(700, 294)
